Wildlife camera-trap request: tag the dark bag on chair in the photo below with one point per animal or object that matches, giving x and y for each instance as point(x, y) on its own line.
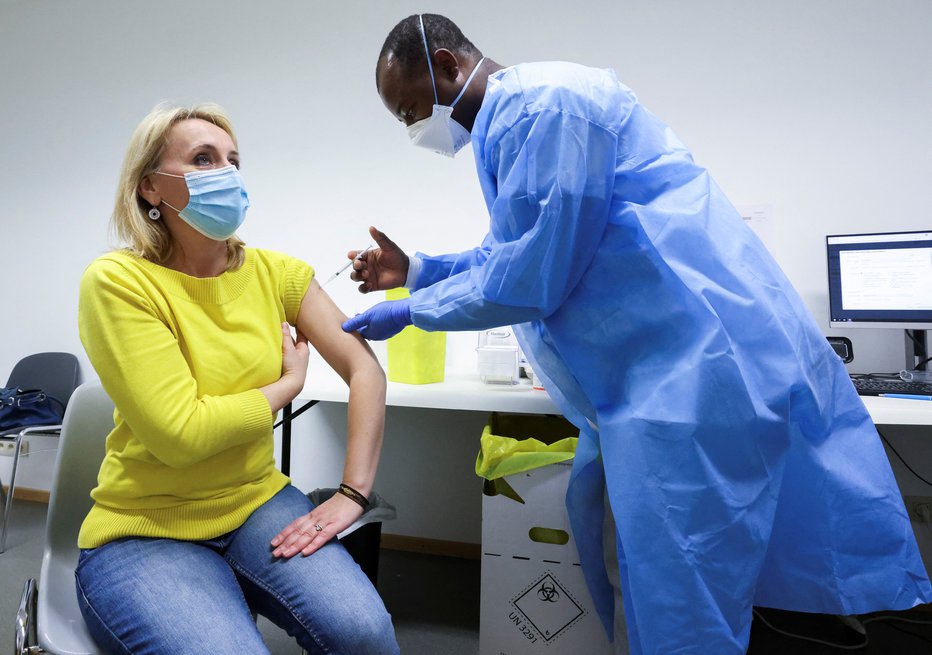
point(20, 408)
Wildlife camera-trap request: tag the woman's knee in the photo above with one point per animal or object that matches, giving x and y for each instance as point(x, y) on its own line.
point(371, 632)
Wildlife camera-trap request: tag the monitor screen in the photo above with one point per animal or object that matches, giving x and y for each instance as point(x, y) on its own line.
point(880, 280)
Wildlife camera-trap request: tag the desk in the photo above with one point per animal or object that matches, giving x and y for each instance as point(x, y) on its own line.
point(463, 390)
point(898, 411)
point(458, 391)
point(432, 435)
point(431, 441)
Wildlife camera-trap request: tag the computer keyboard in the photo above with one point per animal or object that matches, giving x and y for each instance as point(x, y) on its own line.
point(873, 386)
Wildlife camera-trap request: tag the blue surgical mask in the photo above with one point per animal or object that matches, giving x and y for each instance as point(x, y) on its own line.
point(217, 201)
point(440, 132)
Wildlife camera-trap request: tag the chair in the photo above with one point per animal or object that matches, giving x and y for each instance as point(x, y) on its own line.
point(48, 620)
point(56, 374)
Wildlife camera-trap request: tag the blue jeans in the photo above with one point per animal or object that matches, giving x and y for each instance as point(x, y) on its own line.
point(162, 596)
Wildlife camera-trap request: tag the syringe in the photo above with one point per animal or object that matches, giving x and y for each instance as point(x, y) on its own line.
point(348, 264)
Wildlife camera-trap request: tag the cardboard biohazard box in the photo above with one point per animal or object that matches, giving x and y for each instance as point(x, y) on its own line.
point(534, 599)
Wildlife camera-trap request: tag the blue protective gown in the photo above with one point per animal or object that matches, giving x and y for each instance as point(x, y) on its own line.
point(741, 466)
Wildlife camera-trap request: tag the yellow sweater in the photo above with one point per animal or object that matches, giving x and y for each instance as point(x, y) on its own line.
point(190, 456)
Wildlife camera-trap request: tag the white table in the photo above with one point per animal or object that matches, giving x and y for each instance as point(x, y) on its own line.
point(462, 390)
point(898, 411)
point(459, 391)
point(907, 424)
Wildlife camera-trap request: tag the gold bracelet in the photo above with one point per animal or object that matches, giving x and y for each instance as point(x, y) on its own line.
point(354, 495)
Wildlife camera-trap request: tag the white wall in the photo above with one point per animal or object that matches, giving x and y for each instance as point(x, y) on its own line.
point(821, 109)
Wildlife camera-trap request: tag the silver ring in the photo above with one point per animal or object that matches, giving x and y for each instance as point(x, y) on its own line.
point(318, 527)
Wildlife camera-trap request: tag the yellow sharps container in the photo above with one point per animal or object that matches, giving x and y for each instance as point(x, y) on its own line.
point(415, 356)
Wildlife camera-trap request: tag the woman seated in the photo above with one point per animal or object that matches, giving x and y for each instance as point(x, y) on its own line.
point(193, 528)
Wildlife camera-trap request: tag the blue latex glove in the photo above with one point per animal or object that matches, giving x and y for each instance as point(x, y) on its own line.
point(381, 321)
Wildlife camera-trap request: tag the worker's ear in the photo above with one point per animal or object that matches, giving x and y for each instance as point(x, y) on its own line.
point(446, 64)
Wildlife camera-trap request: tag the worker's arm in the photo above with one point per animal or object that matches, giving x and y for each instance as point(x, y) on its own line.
point(555, 175)
point(433, 268)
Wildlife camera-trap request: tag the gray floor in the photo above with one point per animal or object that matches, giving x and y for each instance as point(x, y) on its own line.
point(434, 602)
point(429, 618)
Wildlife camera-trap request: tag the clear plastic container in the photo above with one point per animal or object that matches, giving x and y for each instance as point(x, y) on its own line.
point(916, 376)
point(498, 356)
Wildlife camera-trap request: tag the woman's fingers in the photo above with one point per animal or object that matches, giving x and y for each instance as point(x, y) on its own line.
point(303, 536)
point(287, 340)
point(301, 339)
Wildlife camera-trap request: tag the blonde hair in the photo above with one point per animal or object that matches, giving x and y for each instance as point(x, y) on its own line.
point(130, 222)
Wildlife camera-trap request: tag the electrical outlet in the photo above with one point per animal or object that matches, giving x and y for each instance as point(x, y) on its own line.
point(7, 448)
point(919, 507)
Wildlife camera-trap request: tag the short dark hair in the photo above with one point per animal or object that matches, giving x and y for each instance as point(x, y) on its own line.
point(406, 44)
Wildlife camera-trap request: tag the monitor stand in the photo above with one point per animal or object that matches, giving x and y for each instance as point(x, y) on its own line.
point(917, 348)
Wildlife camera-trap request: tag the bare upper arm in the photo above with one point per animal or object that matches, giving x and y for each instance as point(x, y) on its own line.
point(320, 320)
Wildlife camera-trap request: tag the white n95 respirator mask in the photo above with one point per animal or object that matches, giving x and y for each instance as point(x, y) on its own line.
point(440, 132)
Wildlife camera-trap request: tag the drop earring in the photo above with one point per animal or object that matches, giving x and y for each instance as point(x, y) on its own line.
point(155, 214)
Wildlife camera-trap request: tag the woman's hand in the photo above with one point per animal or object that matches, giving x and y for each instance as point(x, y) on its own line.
point(295, 354)
point(302, 536)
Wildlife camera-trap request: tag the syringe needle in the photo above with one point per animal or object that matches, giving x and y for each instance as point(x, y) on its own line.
point(347, 265)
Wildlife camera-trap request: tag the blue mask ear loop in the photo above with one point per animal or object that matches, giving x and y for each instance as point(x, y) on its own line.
point(468, 80)
point(430, 68)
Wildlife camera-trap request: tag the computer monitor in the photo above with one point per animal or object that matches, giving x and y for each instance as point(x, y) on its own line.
point(880, 280)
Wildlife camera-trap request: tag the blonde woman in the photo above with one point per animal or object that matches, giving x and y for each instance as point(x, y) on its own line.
point(193, 527)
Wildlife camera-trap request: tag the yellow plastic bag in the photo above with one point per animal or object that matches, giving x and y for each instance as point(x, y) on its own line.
point(513, 443)
point(415, 356)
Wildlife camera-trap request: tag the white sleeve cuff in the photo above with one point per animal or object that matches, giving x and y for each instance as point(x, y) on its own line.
point(414, 269)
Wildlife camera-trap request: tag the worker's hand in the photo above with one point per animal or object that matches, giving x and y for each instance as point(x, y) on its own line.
point(301, 536)
point(385, 267)
point(381, 321)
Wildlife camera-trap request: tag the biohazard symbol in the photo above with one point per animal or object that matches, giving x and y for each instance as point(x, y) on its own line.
point(549, 606)
point(548, 593)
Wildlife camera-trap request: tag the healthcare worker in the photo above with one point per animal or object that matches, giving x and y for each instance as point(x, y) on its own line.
point(740, 464)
